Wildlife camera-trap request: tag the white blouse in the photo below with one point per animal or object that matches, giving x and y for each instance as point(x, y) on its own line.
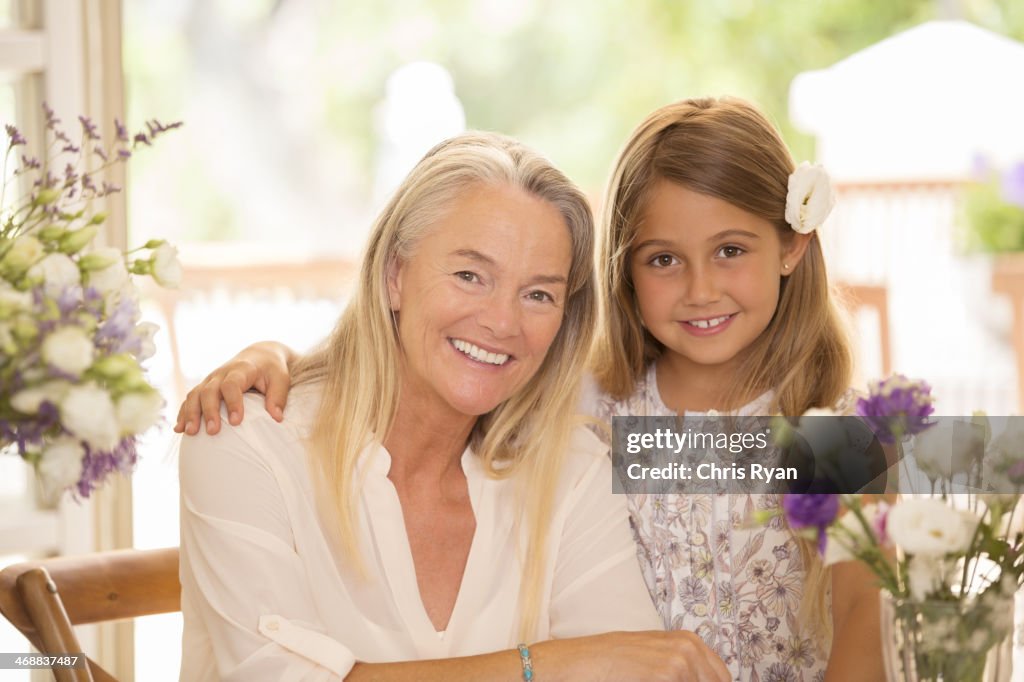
point(267, 595)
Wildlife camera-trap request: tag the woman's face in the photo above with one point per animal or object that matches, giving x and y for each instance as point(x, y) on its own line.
point(480, 300)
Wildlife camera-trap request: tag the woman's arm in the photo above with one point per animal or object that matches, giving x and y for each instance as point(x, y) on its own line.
point(245, 583)
point(263, 367)
point(613, 657)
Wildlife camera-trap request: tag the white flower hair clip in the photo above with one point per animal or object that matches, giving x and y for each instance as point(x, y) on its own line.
point(810, 197)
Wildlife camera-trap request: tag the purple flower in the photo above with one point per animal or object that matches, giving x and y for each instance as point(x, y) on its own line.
point(29, 162)
point(880, 524)
point(51, 119)
point(96, 466)
point(140, 138)
point(88, 128)
point(897, 407)
point(1015, 472)
point(99, 151)
point(155, 127)
point(117, 333)
point(811, 510)
point(16, 137)
point(1012, 185)
point(120, 130)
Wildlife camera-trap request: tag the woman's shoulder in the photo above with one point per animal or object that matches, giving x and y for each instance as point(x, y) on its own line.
point(586, 455)
point(259, 439)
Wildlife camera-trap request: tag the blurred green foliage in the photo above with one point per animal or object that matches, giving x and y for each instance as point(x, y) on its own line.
point(570, 78)
point(994, 225)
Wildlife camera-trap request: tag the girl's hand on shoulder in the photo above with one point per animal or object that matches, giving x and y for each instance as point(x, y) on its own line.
point(262, 367)
point(675, 656)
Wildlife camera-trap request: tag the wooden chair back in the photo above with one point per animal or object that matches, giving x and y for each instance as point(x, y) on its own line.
point(44, 599)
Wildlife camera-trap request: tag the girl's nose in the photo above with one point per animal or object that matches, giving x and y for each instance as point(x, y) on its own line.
point(701, 287)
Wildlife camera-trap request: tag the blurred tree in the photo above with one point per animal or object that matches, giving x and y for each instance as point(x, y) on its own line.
point(298, 80)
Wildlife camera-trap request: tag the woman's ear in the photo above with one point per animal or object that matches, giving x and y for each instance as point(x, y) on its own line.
point(793, 252)
point(393, 275)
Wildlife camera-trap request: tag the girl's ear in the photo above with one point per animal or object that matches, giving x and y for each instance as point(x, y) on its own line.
point(794, 251)
point(394, 281)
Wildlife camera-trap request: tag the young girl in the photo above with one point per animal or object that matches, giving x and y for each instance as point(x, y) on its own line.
point(714, 298)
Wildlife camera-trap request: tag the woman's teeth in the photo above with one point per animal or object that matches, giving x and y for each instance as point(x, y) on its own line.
point(480, 354)
point(707, 324)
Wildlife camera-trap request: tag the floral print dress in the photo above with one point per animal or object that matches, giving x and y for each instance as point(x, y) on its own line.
point(713, 570)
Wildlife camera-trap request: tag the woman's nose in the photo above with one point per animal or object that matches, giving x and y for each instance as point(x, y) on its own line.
point(501, 314)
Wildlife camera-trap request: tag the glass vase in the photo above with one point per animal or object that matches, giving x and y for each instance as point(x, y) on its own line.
point(969, 640)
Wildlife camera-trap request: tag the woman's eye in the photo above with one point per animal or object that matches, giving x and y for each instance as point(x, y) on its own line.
point(467, 276)
point(663, 260)
point(541, 296)
point(730, 251)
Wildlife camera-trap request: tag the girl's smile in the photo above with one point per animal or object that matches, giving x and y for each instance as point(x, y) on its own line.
point(708, 325)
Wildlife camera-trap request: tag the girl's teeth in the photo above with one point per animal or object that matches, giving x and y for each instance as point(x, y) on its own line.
point(480, 354)
point(705, 324)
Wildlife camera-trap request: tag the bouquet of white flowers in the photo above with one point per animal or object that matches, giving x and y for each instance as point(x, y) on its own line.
point(948, 554)
point(73, 395)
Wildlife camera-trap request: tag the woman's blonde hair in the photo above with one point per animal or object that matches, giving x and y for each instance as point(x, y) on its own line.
point(727, 149)
point(358, 364)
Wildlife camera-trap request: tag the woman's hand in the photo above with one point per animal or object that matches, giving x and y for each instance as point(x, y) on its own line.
point(678, 656)
point(262, 366)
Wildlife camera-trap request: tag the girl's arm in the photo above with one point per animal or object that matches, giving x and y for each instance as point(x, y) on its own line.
point(857, 639)
point(247, 589)
point(262, 367)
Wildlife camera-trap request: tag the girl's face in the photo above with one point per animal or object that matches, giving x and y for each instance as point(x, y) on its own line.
point(707, 274)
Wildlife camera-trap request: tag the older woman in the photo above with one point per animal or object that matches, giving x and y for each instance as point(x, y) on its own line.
point(426, 503)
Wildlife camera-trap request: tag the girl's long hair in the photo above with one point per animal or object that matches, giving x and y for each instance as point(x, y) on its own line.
point(727, 149)
point(357, 366)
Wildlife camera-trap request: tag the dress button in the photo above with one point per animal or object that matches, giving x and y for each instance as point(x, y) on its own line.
point(274, 625)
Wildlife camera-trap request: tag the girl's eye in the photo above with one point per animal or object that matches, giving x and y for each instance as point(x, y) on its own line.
point(467, 276)
point(730, 251)
point(663, 260)
point(541, 296)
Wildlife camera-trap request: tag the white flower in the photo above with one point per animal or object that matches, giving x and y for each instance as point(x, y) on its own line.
point(948, 449)
point(166, 267)
point(12, 299)
point(923, 576)
point(61, 463)
point(127, 295)
point(88, 412)
point(928, 526)
point(145, 331)
point(136, 412)
point(57, 272)
point(849, 531)
point(810, 198)
point(69, 349)
point(112, 277)
point(23, 254)
point(28, 400)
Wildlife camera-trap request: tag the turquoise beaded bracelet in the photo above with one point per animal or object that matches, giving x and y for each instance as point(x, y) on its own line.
point(524, 657)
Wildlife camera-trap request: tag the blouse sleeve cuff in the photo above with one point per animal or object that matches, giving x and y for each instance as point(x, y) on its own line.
point(310, 644)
